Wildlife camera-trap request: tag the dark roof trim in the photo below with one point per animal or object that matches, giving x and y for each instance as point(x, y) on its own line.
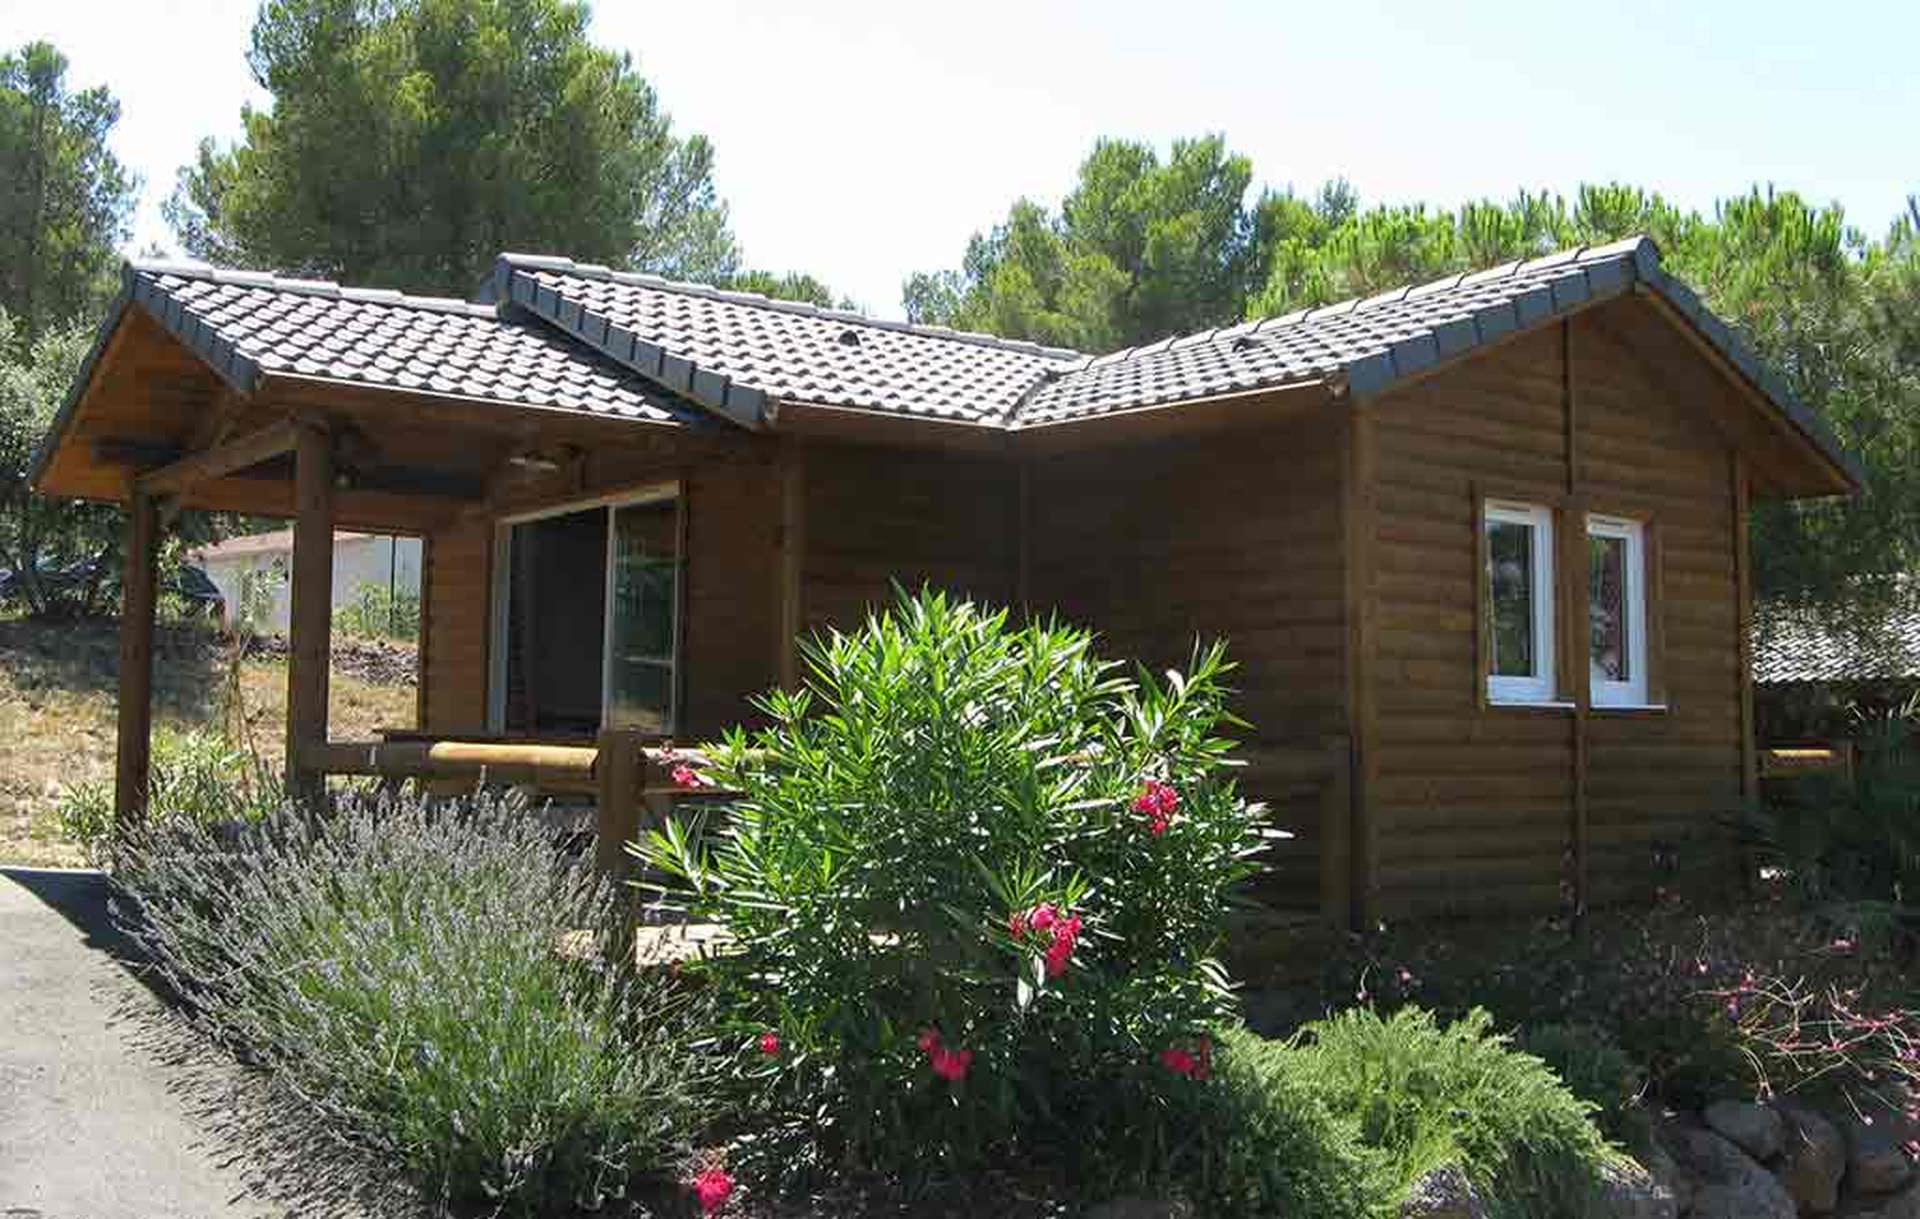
point(513, 287)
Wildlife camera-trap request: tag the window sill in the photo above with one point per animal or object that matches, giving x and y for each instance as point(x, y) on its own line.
point(1630, 708)
point(1522, 704)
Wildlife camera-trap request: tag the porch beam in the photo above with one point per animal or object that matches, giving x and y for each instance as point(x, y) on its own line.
point(309, 650)
point(789, 604)
point(133, 745)
point(248, 450)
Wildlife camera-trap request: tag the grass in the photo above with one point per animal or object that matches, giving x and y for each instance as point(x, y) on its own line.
point(57, 684)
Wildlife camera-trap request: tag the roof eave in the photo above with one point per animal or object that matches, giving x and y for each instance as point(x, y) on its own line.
point(83, 378)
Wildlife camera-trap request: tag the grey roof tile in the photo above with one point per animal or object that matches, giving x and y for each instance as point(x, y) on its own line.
point(733, 350)
point(242, 322)
point(1797, 645)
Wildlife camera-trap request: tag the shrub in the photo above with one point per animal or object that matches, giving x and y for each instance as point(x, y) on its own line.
point(1594, 1067)
point(978, 879)
point(377, 612)
point(397, 966)
point(1261, 1142)
point(1428, 1096)
point(194, 775)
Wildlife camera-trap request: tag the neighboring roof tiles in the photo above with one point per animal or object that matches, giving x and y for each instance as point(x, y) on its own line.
point(733, 351)
point(272, 542)
point(1806, 646)
point(246, 325)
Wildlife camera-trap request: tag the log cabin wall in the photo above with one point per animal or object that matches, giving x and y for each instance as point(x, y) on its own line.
point(874, 516)
point(728, 612)
point(1235, 535)
point(1476, 806)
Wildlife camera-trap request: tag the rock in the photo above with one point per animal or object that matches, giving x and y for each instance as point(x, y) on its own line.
point(1444, 1193)
point(1754, 1129)
point(1629, 1191)
point(1814, 1163)
point(1732, 1186)
point(1905, 1205)
point(1667, 1171)
point(1876, 1163)
point(1141, 1208)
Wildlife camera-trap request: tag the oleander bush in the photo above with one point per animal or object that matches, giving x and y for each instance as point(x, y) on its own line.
point(978, 878)
point(439, 984)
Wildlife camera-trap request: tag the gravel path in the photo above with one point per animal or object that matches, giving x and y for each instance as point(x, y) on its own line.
point(93, 1123)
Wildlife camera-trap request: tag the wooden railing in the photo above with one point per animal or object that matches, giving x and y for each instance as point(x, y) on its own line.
point(623, 770)
point(628, 775)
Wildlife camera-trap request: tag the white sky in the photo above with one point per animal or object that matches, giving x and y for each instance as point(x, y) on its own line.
point(860, 141)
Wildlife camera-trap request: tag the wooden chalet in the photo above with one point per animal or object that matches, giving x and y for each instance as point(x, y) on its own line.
point(1479, 546)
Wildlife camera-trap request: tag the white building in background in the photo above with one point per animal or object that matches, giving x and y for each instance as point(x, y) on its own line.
point(359, 560)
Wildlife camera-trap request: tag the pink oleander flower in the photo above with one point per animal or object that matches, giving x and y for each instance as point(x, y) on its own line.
point(1017, 924)
point(950, 1065)
point(712, 1187)
point(1059, 953)
point(928, 1041)
point(684, 775)
point(1177, 1060)
point(1158, 801)
point(770, 1043)
point(1043, 916)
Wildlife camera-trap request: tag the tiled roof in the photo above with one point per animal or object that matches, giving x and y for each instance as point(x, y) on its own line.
point(745, 356)
point(733, 351)
point(245, 324)
point(1806, 646)
point(1367, 343)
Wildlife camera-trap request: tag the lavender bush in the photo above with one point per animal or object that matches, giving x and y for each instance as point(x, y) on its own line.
point(415, 974)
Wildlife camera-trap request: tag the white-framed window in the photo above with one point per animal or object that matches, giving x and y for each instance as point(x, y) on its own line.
point(1519, 608)
point(586, 616)
point(1616, 611)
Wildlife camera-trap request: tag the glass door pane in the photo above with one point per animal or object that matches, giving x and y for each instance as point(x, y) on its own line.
point(643, 602)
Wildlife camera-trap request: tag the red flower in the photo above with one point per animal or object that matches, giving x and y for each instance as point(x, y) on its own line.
point(1177, 1060)
point(1017, 924)
point(684, 775)
point(951, 1065)
point(770, 1042)
point(713, 1187)
point(928, 1041)
point(1042, 917)
point(1157, 801)
point(1058, 954)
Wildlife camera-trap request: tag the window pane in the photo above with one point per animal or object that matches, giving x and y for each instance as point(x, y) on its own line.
point(1510, 586)
point(645, 602)
point(1607, 607)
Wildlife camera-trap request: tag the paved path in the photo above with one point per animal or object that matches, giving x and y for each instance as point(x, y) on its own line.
point(91, 1123)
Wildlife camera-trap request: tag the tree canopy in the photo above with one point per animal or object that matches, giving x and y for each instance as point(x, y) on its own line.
point(64, 196)
point(409, 141)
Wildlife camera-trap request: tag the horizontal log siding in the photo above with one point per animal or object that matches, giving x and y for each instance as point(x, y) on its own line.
point(1659, 784)
point(1474, 806)
point(457, 611)
point(874, 516)
point(1232, 536)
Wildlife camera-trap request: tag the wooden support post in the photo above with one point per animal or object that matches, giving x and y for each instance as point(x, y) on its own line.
point(789, 593)
point(1743, 618)
point(1358, 525)
point(1576, 673)
point(138, 585)
point(309, 651)
point(620, 776)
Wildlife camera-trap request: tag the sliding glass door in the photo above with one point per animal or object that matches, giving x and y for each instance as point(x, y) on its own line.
point(586, 624)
